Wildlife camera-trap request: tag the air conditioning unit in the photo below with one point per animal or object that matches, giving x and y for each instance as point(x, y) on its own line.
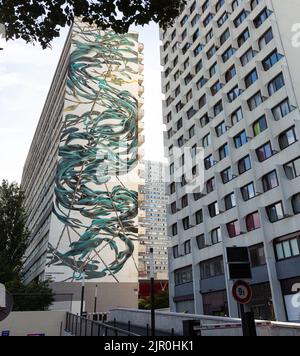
point(2, 297)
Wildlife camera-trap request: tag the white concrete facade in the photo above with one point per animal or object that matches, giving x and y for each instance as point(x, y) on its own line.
point(228, 64)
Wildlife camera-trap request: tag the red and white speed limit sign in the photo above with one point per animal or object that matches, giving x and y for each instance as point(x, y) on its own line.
point(242, 292)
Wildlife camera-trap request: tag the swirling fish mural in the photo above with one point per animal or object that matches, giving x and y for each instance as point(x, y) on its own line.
point(99, 149)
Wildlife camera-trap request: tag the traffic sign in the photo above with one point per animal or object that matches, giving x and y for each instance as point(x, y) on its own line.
point(242, 292)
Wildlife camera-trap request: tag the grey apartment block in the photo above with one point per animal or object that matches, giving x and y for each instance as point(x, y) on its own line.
point(232, 87)
point(154, 223)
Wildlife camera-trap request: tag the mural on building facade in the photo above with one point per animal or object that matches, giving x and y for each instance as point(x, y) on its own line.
point(99, 148)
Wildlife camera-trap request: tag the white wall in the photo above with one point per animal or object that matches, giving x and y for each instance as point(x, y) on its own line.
point(25, 323)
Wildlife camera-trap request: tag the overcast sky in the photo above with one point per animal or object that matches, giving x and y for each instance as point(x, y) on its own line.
point(26, 73)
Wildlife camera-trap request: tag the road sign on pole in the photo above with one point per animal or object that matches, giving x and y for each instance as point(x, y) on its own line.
point(242, 292)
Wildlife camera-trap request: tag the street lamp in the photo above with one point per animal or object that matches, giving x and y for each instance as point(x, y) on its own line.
point(152, 292)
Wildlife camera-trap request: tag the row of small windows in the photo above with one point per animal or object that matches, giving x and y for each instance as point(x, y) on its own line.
point(284, 248)
point(253, 102)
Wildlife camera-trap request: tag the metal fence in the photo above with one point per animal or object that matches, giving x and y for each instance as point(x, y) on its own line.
point(81, 326)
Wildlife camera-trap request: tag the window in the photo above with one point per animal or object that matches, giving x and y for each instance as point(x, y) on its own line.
point(213, 209)
point(260, 125)
point(228, 54)
point(210, 185)
point(240, 140)
point(179, 124)
point(198, 50)
point(209, 36)
point(270, 181)
point(219, 4)
point(244, 165)
point(292, 169)
point(247, 57)
point(227, 175)
point(264, 152)
point(184, 35)
point(211, 52)
point(231, 73)
point(184, 201)
point(192, 132)
point(180, 141)
point(186, 223)
point(172, 169)
point(222, 19)
point(174, 230)
point(196, 35)
point(195, 20)
point(254, 3)
point(224, 37)
point(257, 256)
point(199, 66)
point(221, 129)
point(237, 116)
point(204, 120)
point(207, 20)
point(205, 6)
point(199, 217)
point(212, 268)
point(187, 248)
point(188, 79)
point(218, 108)
point(224, 151)
point(201, 242)
point(184, 20)
point(276, 84)
point(209, 162)
point(206, 141)
point(182, 160)
point(265, 39)
point(216, 88)
point(213, 70)
point(255, 101)
point(243, 37)
point(230, 201)
point(234, 229)
point(271, 60)
point(253, 221)
point(236, 4)
point(234, 94)
point(261, 18)
point(201, 82)
point(296, 203)
point(183, 276)
point(177, 91)
point(179, 106)
point(216, 236)
point(287, 138)
point(287, 249)
point(251, 78)
point(172, 188)
point(176, 252)
point(248, 192)
point(240, 19)
point(174, 208)
point(202, 101)
point(281, 110)
point(186, 64)
point(275, 212)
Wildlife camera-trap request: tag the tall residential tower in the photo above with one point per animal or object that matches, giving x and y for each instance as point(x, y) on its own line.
point(81, 177)
point(232, 85)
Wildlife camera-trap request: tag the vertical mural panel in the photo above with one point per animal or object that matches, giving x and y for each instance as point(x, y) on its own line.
point(95, 225)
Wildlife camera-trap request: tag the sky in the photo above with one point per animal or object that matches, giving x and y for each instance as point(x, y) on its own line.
point(26, 73)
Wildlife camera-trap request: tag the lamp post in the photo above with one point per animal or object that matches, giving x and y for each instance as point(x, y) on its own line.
point(152, 292)
point(82, 293)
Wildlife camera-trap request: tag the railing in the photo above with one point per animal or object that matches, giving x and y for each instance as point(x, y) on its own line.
point(81, 326)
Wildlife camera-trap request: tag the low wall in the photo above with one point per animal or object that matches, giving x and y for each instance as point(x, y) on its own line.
point(30, 323)
point(165, 321)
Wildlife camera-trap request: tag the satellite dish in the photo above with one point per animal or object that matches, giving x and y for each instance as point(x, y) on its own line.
point(6, 303)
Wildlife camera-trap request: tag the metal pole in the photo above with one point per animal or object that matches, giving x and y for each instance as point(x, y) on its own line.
point(96, 299)
point(248, 322)
point(82, 294)
point(152, 292)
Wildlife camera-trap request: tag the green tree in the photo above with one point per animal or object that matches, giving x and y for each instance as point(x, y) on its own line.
point(41, 20)
point(14, 239)
point(161, 301)
point(14, 235)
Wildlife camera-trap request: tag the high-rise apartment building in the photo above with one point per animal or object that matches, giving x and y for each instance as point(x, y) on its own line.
point(81, 177)
point(154, 223)
point(232, 88)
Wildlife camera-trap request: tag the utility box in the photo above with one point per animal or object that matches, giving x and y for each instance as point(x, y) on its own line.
point(2, 297)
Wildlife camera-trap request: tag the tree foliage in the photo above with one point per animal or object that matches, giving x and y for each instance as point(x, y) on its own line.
point(14, 235)
point(14, 240)
point(161, 301)
point(41, 20)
